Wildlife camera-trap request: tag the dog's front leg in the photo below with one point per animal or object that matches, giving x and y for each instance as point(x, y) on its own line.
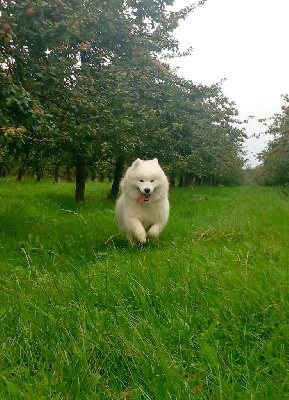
point(154, 231)
point(138, 230)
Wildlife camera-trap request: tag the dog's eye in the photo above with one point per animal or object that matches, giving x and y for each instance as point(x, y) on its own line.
point(141, 180)
point(152, 180)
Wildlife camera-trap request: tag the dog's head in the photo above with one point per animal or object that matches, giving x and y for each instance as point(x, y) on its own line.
point(145, 181)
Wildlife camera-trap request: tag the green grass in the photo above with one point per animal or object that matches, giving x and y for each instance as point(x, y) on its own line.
point(200, 314)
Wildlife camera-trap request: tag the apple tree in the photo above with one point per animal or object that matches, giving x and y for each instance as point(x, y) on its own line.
point(274, 169)
point(59, 52)
point(204, 141)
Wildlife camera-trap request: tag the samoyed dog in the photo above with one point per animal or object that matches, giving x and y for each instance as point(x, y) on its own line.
point(142, 210)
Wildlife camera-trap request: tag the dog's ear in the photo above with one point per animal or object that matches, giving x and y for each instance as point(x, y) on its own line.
point(137, 162)
point(155, 160)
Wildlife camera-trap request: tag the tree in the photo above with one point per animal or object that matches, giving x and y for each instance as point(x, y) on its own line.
point(58, 52)
point(20, 116)
point(275, 159)
point(205, 137)
point(96, 90)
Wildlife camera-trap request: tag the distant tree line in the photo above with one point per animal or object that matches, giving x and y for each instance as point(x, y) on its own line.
point(274, 168)
point(84, 91)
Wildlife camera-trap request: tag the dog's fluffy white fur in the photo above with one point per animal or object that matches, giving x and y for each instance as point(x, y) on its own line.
point(142, 209)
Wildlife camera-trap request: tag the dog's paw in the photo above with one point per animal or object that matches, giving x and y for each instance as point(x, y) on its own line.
point(141, 238)
point(154, 231)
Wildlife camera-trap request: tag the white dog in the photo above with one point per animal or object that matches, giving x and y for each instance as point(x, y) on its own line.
point(142, 209)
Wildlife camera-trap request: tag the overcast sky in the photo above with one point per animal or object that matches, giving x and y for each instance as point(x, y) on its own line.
point(246, 42)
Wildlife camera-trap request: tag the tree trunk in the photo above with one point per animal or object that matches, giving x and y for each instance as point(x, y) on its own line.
point(20, 174)
point(80, 175)
point(56, 173)
point(118, 171)
point(68, 175)
point(172, 181)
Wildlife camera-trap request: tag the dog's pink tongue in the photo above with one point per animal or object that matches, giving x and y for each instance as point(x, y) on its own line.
point(142, 197)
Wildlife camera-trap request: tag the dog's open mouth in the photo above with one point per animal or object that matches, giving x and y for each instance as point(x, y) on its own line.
point(143, 197)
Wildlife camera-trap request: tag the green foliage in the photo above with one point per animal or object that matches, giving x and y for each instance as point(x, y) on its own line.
point(202, 313)
point(92, 71)
point(275, 167)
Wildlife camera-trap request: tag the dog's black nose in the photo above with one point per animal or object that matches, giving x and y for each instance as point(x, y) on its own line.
point(147, 190)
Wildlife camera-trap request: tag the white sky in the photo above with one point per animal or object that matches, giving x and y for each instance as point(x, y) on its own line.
point(246, 42)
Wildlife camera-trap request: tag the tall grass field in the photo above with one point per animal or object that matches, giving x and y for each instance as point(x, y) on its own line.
point(202, 313)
